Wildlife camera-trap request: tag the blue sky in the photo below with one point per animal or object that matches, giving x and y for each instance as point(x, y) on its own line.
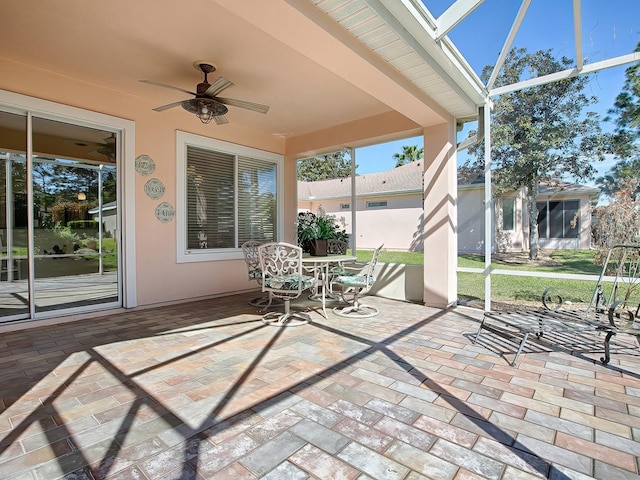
point(609, 28)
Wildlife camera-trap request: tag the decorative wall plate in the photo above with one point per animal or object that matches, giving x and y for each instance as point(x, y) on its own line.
point(165, 212)
point(154, 189)
point(145, 165)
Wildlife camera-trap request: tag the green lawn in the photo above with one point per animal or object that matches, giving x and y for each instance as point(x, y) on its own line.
point(511, 288)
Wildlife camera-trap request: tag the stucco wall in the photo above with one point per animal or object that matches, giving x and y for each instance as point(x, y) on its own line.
point(398, 225)
point(157, 276)
point(471, 223)
point(470, 220)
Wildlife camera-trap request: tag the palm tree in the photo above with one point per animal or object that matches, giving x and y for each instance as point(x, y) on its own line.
point(410, 153)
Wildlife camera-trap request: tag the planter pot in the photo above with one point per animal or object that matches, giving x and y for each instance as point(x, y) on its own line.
point(318, 247)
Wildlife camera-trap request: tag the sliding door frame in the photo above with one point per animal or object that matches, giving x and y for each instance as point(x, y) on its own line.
point(33, 107)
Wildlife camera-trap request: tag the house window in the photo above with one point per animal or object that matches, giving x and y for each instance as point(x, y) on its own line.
point(508, 210)
point(376, 204)
point(559, 219)
point(345, 206)
point(229, 194)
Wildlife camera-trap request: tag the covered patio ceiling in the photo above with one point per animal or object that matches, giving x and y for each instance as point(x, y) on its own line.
point(317, 64)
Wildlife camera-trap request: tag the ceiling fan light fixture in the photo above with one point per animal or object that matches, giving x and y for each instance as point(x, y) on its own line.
point(205, 115)
point(204, 108)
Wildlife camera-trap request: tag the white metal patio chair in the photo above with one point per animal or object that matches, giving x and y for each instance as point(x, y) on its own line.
point(355, 280)
point(283, 278)
point(254, 271)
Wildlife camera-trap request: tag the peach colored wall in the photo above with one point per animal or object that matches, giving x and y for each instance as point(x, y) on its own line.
point(440, 210)
point(158, 277)
point(378, 129)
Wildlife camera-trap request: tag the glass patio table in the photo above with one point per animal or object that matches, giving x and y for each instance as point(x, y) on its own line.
point(320, 267)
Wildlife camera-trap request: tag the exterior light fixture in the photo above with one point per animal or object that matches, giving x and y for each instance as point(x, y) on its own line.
point(82, 196)
point(204, 108)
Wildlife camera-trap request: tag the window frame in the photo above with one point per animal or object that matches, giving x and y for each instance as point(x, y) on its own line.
point(548, 218)
point(185, 139)
point(512, 214)
point(377, 204)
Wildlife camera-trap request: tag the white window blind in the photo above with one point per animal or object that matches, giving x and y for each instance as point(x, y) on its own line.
point(257, 207)
point(230, 199)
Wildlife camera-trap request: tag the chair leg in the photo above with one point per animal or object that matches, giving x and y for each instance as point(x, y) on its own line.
point(263, 302)
point(286, 319)
point(355, 309)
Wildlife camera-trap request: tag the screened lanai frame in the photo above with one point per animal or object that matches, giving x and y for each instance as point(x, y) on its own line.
point(441, 27)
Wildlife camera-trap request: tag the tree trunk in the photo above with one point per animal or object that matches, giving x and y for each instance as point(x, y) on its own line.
point(533, 221)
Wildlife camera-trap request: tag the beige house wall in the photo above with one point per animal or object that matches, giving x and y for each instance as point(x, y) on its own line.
point(471, 226)
point(399, 224)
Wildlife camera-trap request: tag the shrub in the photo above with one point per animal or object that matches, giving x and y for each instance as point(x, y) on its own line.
point(83, 225)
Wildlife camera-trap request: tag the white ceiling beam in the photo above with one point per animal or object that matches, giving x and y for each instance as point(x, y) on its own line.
point(430, 57)
point(457, 12)
point(572, 72)
point(507, 44)
point(577, 32)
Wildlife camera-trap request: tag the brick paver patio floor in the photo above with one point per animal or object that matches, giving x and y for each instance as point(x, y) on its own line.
point(204, 390)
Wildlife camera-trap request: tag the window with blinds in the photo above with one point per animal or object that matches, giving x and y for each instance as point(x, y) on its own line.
point(230, 199)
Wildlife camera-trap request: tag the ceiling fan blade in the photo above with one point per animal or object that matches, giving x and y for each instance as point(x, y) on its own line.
point(219, 85)
point(168, 106)
point(220, 119)
point(254, 107)
point(84, 143)
point(151, 82)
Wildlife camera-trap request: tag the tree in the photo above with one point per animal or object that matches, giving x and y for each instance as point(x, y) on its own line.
point(619, 221)
point(540, 134)
point(324, 167)
point(626, 171)
point(626, 116)
point(410, 153)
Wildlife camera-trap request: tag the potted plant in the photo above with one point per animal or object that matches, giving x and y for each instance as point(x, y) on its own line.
point(314, 231)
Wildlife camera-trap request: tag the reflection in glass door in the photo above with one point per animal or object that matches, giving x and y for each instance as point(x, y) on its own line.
point(14, 292)
point(65, 259)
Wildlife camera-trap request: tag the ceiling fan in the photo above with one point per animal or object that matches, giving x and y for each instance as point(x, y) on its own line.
point(207, 105)
point(107, 148)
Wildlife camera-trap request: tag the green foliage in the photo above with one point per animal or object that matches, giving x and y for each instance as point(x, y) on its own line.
point(625, 141)
point(619, 221)
point(541, 134)
point(311, 226)
point(83, 225)
point(626, 108)
point(410, 153)
point(623, 175)
point(46, 240)
point(324, 167)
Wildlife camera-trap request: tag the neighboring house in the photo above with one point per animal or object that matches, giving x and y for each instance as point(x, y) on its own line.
point(108, 217)
point(389, 210)
point(389, 206)
point(564, 217)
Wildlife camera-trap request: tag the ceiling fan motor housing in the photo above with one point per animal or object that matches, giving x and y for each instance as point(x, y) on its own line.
point(202, 88)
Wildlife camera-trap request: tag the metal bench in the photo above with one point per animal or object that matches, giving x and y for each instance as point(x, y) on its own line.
point(539, 322)
point(614, 306)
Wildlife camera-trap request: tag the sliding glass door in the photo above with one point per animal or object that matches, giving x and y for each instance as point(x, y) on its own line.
point(60, 251)
point(14, 291)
